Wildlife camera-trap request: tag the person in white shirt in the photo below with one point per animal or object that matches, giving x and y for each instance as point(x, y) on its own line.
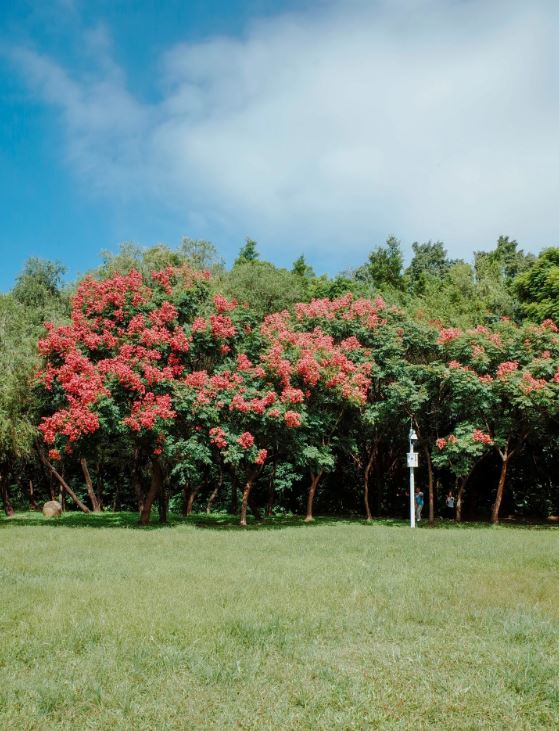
point(450, 505)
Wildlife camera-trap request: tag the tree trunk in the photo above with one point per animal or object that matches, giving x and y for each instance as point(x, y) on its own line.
point(214, 493)
point(32, 502)
point(246, 494)
point(100, 488)
point(234, 497)
point(95, 504)
point(137, 481)
point(500, 489)
point(163, 500)
point(191, 499)
point(430, 484)
point(185, 498)
point(154, 488)
point(8, 507)
point(315, 479)
point(271, 491)
point(461, 484)
point(366, 475)
point(117, 504)
point(65, 487)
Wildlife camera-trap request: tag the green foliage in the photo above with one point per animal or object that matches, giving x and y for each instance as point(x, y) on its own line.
point(429, 264)
point(248, 253)
point(384, 267)
point(18, 359)
point(301, 268)
point(537, 287)
point(264, 287)
point(201, 254)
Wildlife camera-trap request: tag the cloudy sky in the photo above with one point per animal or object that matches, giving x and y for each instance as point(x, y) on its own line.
point(317, 126)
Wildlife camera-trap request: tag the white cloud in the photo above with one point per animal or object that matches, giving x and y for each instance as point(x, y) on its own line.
point(329, 129)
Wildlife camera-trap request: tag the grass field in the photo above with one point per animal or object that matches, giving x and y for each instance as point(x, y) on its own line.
point(336, 625)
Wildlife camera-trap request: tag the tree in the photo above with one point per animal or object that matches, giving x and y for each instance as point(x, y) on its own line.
point(263, 287)
point(505, 380)
point(248, 253)
point(301, 268)
point(537, 287)
point(200, 254)
point(114, 369)
point(429, 262)
point(17, 362)
point(384, 268)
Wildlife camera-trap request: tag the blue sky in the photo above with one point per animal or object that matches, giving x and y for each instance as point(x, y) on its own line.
point(319, 127)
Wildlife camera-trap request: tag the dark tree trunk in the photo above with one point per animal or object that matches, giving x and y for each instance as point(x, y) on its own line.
point(500, 488)
point(185, 500)
point(315, 479)
point(65, 487)
point(191, 499)
point(100, 491)
point(137, 480)
point(32, 502)
point(461, 485)
point(154, 488)
point(95, 504)
point(234, 496)
point(246, 494)
point(6, 502)
point(430, 484)
point(271, 491)
point(163, 501)
point(366, 476)
point(215, 492)
point(116, 506)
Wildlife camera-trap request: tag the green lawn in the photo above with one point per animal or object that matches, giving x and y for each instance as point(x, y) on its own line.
point(335, 625)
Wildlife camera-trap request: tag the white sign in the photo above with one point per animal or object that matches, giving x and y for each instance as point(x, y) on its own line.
point(412, 459)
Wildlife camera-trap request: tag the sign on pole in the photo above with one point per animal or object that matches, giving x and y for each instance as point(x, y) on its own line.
point(412, 459)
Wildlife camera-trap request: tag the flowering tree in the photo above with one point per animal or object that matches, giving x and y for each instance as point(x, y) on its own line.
point(114, 369)
point(460, 452)
point(330, 376)
point(242, 412)
point(382, 344)
point(505, 381)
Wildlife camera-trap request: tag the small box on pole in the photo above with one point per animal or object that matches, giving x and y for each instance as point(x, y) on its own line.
point(412, 459)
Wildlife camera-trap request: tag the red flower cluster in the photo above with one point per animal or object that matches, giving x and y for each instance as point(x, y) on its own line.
point(246, 440)
point(481, 437)
point(506, 368)
point(217, 437)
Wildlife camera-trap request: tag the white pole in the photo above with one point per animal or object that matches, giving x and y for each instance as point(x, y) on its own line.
point(412, 497)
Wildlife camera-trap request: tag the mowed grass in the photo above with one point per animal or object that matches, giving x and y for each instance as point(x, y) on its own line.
point(336, 625)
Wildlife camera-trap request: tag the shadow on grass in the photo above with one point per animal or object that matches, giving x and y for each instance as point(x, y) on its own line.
point(128, 520)
point(226, 521)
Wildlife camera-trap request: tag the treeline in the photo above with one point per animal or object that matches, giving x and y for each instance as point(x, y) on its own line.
point(164, 379)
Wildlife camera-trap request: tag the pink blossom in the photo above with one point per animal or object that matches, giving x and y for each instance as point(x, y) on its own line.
point(246, 440)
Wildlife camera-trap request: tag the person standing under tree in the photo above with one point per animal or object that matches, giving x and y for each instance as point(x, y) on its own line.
point(419, 503)
point(450, 505)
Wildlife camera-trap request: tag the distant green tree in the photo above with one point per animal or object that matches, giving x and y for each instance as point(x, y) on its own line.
point(537, 288)
point(301, 268)
point(248, 253)
point(429, 262)
point(130, 256)
point(200, 254)
point(504, 263)
point(264, 287)
point(39, 284)
point(384, 267)
point(18, 359)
